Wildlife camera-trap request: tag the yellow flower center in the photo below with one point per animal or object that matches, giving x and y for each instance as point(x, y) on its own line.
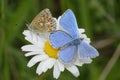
point(50, 51)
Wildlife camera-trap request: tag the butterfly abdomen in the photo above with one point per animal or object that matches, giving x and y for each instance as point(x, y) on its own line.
point(71, 43)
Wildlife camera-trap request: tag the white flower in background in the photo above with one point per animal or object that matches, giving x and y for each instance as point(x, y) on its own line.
point(47, 57)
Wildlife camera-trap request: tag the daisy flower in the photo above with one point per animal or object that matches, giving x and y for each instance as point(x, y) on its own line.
point(47, 57)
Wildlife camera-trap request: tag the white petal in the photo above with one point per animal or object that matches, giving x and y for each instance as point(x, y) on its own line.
point(41, 43)
point(36, 59)
point(33, 53)
point(50, 62)
point(41, 67)
point(30, 48)
point(26, 32)
point(58, 21)
point(74, 70)
point(34, 38)
point(56, 71)
point(81, 30)
point(44, 67)
point(85, 60)
point(78, 63)
point(29, 36)
point(60, 65)
point(85, 39)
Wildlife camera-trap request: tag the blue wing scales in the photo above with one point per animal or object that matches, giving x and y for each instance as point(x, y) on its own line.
point(68, 22)
point(59, 38)
point(86, 50)
point(67, 54)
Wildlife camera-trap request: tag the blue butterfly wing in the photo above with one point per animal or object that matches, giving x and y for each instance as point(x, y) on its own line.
point(59, 38)
point(67, 54)
point(68, 22)
point(86, 50)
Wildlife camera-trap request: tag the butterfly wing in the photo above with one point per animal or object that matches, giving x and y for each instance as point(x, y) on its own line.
point(68, 22)
point(86, 50)
point(43, 22)
point(59, 38)
point(66, 55)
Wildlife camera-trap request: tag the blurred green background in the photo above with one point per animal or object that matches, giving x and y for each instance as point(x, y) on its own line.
point(100, 18)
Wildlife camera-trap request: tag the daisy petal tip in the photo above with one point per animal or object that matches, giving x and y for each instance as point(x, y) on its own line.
point(25, 32)
point(22, 48)
point(28, 65)
point(77, 74)
point(81, 30)
point(38, 73)
point(89, 61)
point(56, 72)
point(56, 77)
point(26, 55)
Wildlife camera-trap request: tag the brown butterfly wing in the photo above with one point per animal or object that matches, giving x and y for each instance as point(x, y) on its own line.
point(43, 22)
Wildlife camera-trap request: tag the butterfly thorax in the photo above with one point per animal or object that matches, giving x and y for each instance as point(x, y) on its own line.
point(71, 43)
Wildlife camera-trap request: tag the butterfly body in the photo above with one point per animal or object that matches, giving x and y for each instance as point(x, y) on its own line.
point(69, 42)
point(75, 42)
point(43, 22)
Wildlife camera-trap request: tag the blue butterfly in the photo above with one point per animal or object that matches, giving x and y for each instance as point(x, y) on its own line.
point(69, 42)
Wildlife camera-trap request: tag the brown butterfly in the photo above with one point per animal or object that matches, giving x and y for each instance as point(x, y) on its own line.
point(43, 22)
